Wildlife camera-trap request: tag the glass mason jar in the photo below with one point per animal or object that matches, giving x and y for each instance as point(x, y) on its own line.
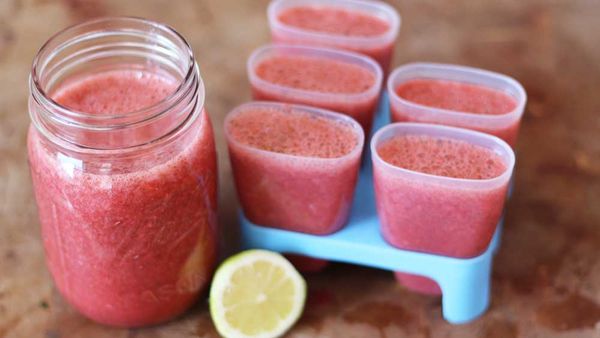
point(126, 198)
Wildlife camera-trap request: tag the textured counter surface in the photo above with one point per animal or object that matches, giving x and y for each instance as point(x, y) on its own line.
point(546, 281)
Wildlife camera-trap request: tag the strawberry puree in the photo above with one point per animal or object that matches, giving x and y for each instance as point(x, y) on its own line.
point(318, 75)
point(297, 133)
point(338, 22)
point(436, 218)
point(134, 242)
point(115, 92)
point(441, 157)
point(334, 21)
point(457, 97)
point(315, 74)
point(293, 169)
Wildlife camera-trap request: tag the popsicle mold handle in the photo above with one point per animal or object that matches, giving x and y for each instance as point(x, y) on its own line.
point(465, 283)
point(465, 292)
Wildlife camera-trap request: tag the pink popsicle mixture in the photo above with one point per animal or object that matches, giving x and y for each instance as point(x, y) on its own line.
point(319, 75)
point(302, 192)
point(315, 74)
point(431, 217)
point(441, 157)
point(133, 246)
point(459, 97)
point(338, 22)
point(295, 133)
point(335, 21)
point(115, 92)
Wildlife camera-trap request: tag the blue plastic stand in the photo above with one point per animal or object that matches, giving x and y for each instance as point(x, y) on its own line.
point(465, 283)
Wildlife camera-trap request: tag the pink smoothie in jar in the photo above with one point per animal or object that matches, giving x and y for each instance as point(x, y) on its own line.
point(123, 165)
point(457, 96)
point(366, 27)
point(295, 167)
point(439, 190)
point(336, 80)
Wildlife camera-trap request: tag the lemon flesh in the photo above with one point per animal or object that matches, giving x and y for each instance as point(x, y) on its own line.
point(256, 293)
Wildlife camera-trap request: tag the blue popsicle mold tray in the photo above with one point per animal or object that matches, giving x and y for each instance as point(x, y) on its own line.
point(465, 283)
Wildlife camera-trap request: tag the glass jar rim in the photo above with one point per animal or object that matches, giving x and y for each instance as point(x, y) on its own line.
point(136, 116)
point(149, 43)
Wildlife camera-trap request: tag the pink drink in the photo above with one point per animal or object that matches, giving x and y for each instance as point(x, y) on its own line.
point(295, 167)
point(134, 243)
point(457, 96)
point(445, 231)
point(344, 82)
point(369, 28)
point(314, 74)
point(439, 190)
point(462, 97)
point(332, 20)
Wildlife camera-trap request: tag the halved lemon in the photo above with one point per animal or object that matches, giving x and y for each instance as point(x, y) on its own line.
point(256, 293)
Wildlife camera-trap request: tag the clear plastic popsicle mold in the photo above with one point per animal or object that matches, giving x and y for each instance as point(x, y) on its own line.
point(380, 47)
point(330, 115)
point(301, 108)
point(459, 233)
point(504, 126)
point(465, 283)
point(438, 214)
point(360, 106)
point(495, 144)
point(276, 187)
point(271, 50)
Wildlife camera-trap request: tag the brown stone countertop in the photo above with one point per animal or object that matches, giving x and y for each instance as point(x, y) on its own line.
point(546, 280)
